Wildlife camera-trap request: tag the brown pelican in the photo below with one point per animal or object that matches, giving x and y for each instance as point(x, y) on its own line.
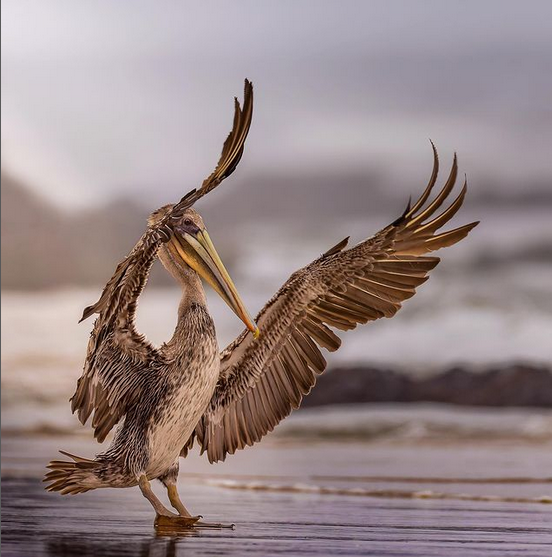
point(167, 398)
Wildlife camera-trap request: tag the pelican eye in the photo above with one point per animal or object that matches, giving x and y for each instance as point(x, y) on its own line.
point(188, 226)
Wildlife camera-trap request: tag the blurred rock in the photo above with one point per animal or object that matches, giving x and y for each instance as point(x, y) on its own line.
point(507, 385)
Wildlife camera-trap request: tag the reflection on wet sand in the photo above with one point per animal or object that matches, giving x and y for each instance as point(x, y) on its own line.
point(159, 545)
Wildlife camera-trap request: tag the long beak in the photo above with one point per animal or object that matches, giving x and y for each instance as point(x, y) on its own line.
point(204, 259)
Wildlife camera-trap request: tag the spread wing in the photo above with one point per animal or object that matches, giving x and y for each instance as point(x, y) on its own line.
point(119, 358)
point(263, 380)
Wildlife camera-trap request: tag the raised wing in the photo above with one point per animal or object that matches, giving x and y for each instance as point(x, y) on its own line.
point(232, 150)
point(119, 358)
point(263, 380)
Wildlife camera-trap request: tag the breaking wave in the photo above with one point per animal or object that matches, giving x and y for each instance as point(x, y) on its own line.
point(366, 423)
point(380, 493)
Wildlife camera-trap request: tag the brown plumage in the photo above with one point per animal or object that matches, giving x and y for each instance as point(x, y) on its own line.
point(180, 393)
point(262, 381)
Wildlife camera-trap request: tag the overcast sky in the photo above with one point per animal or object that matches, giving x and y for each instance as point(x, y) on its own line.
point(102, 99)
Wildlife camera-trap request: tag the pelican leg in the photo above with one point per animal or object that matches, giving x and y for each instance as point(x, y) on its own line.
point(148, 493)
point(169, 481)
point(174, 498)
point(164, 519)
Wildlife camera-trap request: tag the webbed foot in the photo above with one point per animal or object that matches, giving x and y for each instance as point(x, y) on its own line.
point(176, 522)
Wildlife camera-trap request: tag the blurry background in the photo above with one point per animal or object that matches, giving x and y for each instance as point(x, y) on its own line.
point(111, 109)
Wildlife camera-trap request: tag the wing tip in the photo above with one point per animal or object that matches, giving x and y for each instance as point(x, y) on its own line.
point(404, 214)
point(88, 311)
point(340, 246)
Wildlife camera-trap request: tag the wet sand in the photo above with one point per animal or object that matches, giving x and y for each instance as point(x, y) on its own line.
point(119, 524)
point(299, 498)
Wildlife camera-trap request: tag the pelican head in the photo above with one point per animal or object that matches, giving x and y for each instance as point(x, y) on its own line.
point(191, 247)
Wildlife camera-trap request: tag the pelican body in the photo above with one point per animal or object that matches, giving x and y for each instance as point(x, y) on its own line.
point(167, 398)
point(179, 388)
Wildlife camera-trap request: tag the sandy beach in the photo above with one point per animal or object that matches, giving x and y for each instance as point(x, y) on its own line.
point(411, 494)
point(119, 524)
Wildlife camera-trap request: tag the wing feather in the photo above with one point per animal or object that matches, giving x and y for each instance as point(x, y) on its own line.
point(232, 150)
point(263, 380)
point(118, 356)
